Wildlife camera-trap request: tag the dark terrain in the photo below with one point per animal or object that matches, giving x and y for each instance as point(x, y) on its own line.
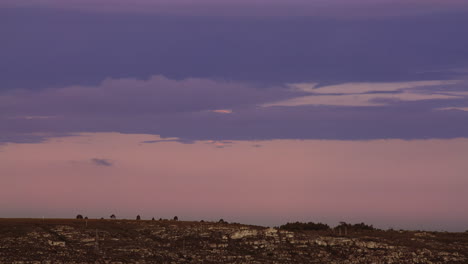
point(129, 241)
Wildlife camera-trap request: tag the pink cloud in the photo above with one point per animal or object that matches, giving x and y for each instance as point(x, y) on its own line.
point(222, 111)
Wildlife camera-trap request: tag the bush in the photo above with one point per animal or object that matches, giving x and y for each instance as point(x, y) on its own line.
point(176, 218)
point(298, 226)
point(113, 216)
point(79, 217)
point(138, 217)
point(356, 227)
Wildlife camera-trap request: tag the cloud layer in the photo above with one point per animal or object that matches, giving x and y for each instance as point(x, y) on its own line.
point(341, 8)
point(215, 77)
point(46, 47)
point(203, 109)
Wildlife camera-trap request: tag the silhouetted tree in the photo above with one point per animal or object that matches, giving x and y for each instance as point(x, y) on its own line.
point(305, 226)
point(86, 218)
point(356, 227)
point(222, 221)
point(152, 219)
point(138, 217)
point(79, 217)
point(176, 218)
point(113, 216)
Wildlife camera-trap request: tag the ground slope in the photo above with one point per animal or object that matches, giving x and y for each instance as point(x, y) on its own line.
point(130, 241)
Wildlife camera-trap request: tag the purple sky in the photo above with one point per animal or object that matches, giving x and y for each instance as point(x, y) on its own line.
point(233, 77)
point(330, 8)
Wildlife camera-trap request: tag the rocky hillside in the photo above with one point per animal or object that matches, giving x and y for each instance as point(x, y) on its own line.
point(124, 241)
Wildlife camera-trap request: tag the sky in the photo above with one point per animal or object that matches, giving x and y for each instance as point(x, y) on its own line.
point(259, 112)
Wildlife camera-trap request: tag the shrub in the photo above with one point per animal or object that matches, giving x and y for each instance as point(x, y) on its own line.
point(298, 226)
point(79, 217)
point(176, 218)
point(138, 217)
point(356, 227)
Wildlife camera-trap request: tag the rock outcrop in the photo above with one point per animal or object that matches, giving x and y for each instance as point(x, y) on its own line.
point(121, 241)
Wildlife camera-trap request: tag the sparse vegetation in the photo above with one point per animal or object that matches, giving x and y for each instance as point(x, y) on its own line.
point(298, 226)
point(67, 240)
point(356, 227)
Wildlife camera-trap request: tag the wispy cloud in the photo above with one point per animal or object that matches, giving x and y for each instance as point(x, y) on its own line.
point(102, 162)
point(32, 117)
point(179, 140)
point(222, 111)
point(359, 99)
point(220, 143)
point(370, 94)
point(453, 108)
point(357, 88)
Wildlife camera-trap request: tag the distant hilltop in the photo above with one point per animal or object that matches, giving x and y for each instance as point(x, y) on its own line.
point(28, 241)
